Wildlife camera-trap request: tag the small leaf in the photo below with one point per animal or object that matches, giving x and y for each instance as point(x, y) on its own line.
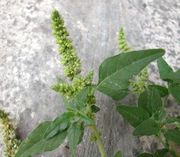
point(83, 117)
point(95, 108)
point(173, 135)
point(133, 115)
point(164, 69)
point(59, 124)
point(163, 91)
point(83, 94)
point(115, 72)
point(75, 133)
point(174, 89)
point(147, 127)
point(79, 102)
point(150, 100)
point(118, 154)
point(35, 143)
point(167, 73)
point(173, 120)
point(161, 153)
point(145, 155)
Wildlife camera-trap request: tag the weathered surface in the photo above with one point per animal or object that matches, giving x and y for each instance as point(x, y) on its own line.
point(29, 63)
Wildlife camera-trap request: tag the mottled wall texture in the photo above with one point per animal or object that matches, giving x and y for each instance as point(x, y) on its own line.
point(29, 63)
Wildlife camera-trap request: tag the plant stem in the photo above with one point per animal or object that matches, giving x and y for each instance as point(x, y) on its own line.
point(98, 140)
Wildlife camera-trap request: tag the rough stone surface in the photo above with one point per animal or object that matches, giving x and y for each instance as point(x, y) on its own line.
point(29, 63)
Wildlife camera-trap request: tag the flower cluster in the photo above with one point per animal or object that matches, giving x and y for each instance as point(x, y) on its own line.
point(138, 83)
point(10, 141)
point(67, 51)
point(123, 45)
point(78, 83)
point(70, 60)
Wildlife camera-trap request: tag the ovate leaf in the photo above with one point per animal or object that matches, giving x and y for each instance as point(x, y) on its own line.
point(150, 100)
point(174, 90)
point(79, 102)
point(163, 91)
point(118, 154)
point(133, 115)
point(85, 118)
point(115, 72)
point(161, 153)
point(173, 120)
point(173, 135)
point(35, 143)
point(167, 73)
point(145, 155)
point(75, 133)
point(59, 124)
point(147, 127)
point(164, 69)
point(95, 108)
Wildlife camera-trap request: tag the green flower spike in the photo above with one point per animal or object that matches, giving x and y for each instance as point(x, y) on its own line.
point(78, 83)
point(69, 58)
point(10, 141)
point(123, 45)
point(138, 83)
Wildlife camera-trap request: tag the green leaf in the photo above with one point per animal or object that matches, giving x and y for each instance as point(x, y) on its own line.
point(118, 154)
point(59, 124)
point(173, 135)
point(95, 108)
point(84, 93)
point(167, 73)
point(145, 155)
point(83, 117)
point(150, 100)
point(147, 127)
point(161, 153)
point(115, 72)
point(163, 91)
point(75, 134)
point(164, 69)
point(174, 89)
point(133, 115)
point(173, 120)
point(35, 143)
point(79, 102)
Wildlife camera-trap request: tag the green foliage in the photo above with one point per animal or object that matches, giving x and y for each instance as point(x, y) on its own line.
point(75, 133)
point(174, 89)
point(150, 101)
point(37, 143)
point(118, 154)
point(10, 141)
point(115, 72)
point(166, 128)
point(158, 153)
point(70, 89)
point(164, 69)
point(134, 115)
point(145, 155)
point(147, 127)
point(118, 76)
point(173, 135)
point(138, 83)
point(173, 78)
point(163, 91)
point(61, 123)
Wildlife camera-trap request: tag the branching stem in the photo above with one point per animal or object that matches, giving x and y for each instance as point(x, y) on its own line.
point(98, 140)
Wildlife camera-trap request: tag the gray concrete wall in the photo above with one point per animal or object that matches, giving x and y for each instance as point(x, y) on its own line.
point(29, 63)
